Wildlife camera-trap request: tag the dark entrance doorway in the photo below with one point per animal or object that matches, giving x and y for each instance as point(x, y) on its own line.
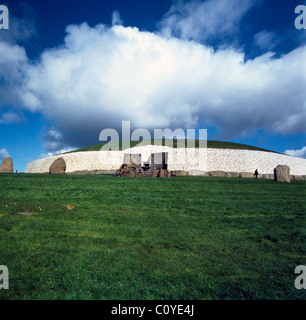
point(159, 161)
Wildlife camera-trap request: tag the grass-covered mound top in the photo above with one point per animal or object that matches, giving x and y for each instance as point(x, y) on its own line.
point(178, 143)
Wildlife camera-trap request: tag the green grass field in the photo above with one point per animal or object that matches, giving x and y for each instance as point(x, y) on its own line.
point(142, 238)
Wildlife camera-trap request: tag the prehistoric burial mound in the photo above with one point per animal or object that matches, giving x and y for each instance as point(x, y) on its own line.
point(230, 158)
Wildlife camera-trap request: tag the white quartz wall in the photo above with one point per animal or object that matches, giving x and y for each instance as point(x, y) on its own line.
point(228, 160)
point(248, 160)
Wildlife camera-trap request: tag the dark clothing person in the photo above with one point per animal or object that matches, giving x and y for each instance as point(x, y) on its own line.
point(256, 173)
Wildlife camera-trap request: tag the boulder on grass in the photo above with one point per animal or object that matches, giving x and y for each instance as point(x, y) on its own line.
point(7, 165)
point(58, 166)
point(128, 170)
point(163, 173)
point(195, 172)
point(179, 173)
point(232, 174)
point(282, 173)
point(267, 176)
point(246, 175)
point(235, 174)
point(295, 177)
point(112, 172)
point(217, 173)
point(80, 172)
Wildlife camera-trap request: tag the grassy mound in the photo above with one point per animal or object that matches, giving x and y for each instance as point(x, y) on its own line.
point(210, 144)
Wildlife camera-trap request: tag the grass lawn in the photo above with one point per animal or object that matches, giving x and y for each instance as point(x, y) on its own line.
point(143, 238)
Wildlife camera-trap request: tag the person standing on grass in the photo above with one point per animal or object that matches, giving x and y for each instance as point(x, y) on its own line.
point(256, 173)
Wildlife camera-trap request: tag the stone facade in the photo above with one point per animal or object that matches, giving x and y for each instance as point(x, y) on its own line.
point(181, 159)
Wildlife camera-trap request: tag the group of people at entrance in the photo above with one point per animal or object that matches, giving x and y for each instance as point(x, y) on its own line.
point(118, 172)
point(140, 172)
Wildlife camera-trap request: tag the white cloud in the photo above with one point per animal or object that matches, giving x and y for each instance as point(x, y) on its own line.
point(51, 154)
point(102, 75)
point(13, 62)
point(266, 40)
point(301, 153)
point(4, 153)
point(116, 19)
point(204, 20)
point(53, 140)
point(11, 117)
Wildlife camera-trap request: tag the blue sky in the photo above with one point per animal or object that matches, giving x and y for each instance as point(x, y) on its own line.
point(69, 69)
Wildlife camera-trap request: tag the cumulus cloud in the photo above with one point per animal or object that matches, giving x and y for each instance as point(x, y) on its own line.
point(301, 153)
point(204, 20)
point(4, 153)
point(102, 75)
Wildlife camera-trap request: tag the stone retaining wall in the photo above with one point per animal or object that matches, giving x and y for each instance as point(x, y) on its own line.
point(227, 160)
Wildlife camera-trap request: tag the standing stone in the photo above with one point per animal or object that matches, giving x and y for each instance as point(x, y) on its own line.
point(7, 165)
point(58, 166)
point(281, 173)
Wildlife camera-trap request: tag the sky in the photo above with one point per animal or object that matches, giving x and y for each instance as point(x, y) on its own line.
point(69, 69)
